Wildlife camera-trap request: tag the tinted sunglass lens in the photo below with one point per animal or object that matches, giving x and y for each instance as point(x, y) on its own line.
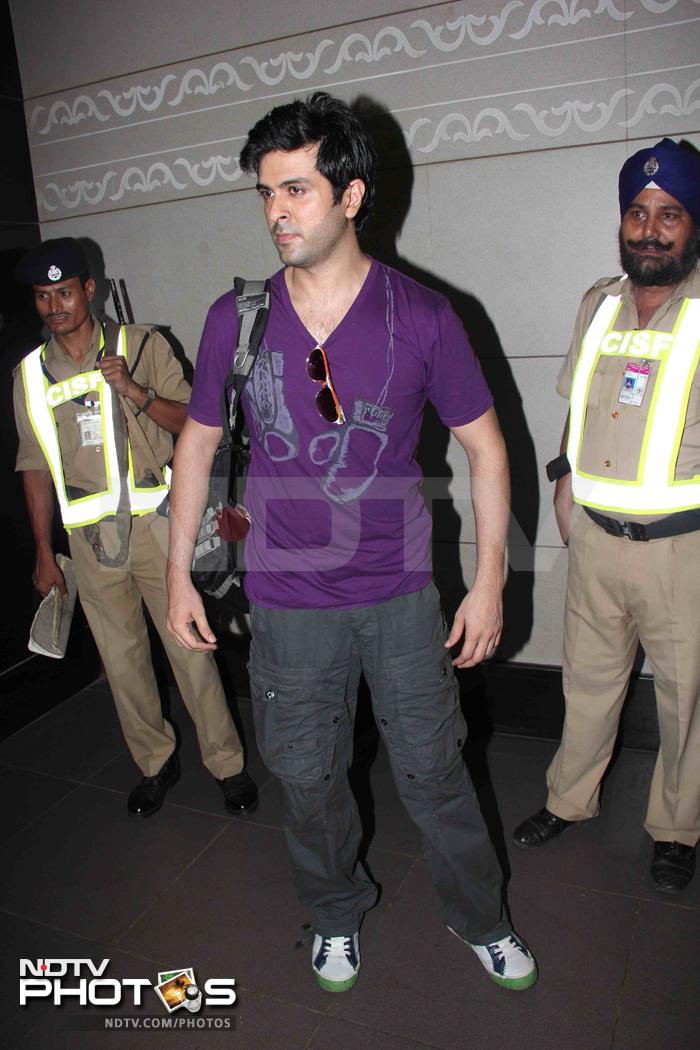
point(326, 405)
point(316, 366)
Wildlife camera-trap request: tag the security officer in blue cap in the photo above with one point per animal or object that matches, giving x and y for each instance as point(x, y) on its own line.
point(96, 408)
point(629, 509)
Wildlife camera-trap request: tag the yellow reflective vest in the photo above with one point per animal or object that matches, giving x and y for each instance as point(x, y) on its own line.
point(42, 399)
point(655, 489)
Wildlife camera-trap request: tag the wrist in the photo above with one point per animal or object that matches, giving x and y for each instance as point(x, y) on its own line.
point(491, 580)
point(143, 397)
point(179, 574)
point(149, 399)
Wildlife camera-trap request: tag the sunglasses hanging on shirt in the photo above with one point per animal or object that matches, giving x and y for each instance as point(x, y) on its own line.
point(327, 403)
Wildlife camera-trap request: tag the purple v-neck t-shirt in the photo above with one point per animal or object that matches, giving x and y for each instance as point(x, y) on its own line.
point(338, 520)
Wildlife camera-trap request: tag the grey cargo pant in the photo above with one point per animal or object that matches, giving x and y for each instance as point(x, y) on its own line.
point(304, 672)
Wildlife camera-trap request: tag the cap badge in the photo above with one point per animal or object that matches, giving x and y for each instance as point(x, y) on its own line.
point(54, 274)
point(651, 167)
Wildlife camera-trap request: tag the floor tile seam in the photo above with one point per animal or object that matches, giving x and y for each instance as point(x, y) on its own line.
point(388, 1032)
point(243, 818)
point(37, 773)
point(164, 890)
point(24, 1041)
point(282, 1000)
point(106, 943)
point(575, 886)
point(55, 776)
point(229, 820)
point(313, 1035)
point(98, 685)
point(121, 754)
point(388, 905)
point(40, 816)
point(40, 718)
point(52, 927)
point(395, 852)
point(526, 738)
point(178, 805)
point(611, 893)
point(666, 903)
point(625, 974)
point(267, 784)
point(109, 762)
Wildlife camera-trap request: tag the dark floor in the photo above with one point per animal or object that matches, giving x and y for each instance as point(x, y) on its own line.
point(619, 963)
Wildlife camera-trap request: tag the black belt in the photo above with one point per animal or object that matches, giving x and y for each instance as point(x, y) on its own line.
point(673, 525)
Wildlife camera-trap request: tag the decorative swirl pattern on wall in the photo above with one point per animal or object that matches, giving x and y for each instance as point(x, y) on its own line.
point(424, 136)
point(589, 117)
point(147, 98)
point(112, 186)
point(517, 19)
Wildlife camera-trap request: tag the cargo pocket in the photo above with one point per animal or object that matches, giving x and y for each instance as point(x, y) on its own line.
point(419, 713)
point(295, 735)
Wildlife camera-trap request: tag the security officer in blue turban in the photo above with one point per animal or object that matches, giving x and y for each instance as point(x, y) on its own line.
point(96, 408)
point(627, 502)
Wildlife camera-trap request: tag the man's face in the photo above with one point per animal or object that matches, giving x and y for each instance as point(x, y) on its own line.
point(658, 239)
point(65, 305)
point(303, 221)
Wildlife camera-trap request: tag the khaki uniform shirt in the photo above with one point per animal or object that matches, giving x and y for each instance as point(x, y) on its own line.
point(84, 466)
point(613, 432)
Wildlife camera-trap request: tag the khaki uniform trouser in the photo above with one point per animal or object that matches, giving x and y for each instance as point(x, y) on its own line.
point(620, 592)
point(112, 600)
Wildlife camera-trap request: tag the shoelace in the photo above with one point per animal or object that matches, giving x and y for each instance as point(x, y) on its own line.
point(498, 955)
point(337, 946)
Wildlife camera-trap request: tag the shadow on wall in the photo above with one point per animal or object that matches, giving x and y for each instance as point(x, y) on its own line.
point(393, 200)
point(20, 332)
point(102, 297)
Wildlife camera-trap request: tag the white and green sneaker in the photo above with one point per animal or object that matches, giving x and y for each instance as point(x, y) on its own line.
point(336, 961)
point(508, 962)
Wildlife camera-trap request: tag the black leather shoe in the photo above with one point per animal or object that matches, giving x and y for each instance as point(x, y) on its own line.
point(147, 797)
point(673, 866)
point(240, 794)
point(542, 827)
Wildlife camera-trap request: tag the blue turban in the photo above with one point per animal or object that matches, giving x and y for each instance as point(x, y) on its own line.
point(669, 166)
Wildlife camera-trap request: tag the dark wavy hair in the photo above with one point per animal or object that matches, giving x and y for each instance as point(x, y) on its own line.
point(345, 152)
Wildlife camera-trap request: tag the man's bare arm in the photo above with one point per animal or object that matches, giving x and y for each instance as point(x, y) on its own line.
point(194, 453)
point(563, 495)
point(38, 495)
point(167, 414)
point(480, 616)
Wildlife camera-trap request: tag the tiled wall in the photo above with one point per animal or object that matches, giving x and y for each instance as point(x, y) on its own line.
point(502, 126)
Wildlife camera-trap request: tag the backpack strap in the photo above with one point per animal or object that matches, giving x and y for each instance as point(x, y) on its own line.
point(252, 309)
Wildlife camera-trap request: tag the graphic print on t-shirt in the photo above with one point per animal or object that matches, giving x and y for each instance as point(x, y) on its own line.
point(364, 437)
point(350, 453)
point(272, 421)
point(361, 440)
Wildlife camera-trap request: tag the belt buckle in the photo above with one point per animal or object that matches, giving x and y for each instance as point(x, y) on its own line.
point(634, 530)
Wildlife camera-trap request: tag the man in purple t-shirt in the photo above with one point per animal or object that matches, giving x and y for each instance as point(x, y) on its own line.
point(338, 553)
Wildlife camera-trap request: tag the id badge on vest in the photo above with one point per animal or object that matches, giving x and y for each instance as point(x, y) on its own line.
point(90, 426)
point(634, 383)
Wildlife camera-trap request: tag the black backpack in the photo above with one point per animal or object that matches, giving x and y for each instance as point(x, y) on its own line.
point(216, 571)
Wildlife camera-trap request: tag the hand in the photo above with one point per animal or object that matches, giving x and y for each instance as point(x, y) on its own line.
point(47, 574)
point(480, 619)
point(116, 373)
point(186, 619)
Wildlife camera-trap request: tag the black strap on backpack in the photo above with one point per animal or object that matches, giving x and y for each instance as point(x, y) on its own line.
point(252, 308)
point(214, 569)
